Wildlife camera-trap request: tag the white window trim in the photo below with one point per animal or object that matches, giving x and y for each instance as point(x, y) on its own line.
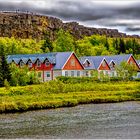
point(21, 63)
point(30, 64)
point(48, 72)
point(38, 62)
point(47, 63)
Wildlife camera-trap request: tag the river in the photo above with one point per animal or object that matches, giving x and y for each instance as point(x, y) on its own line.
point(116, 120)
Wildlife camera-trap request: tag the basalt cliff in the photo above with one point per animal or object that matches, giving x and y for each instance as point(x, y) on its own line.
point(30, 25)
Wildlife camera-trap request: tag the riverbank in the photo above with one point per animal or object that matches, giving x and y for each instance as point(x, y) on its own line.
point(56, 94)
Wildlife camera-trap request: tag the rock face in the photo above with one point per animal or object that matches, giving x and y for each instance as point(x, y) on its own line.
point(29, 25)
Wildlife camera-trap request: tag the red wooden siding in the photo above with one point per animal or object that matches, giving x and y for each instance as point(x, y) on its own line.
point(75, 66)
point(104, 67)
point(132, 61)
point(43, 67)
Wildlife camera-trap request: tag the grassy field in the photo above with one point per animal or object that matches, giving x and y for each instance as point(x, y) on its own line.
point(56, 94)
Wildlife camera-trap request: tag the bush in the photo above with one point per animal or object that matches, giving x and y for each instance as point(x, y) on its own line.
point(74, 80)
point(6, 84)
point(116, 78)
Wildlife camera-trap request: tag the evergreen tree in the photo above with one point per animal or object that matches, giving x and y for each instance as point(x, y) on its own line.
point(47, 45)
point(116, 45)
point(5, 73)
point(107, 44)
point(122, 46)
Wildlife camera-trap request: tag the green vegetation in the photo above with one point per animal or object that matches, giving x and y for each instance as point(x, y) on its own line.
point(64, 41)
point(101, 45)
point(56, 94)
point(22, 76)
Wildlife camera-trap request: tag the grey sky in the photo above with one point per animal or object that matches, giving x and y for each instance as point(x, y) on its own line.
point(120, 14)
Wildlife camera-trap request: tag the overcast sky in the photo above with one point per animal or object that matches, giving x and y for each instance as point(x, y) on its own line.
point(123, 15)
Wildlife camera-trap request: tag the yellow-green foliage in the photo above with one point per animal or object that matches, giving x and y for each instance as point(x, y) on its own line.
point(55, 94)
point(20, 46)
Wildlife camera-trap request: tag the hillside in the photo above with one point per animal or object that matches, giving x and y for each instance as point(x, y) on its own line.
point(29, 25)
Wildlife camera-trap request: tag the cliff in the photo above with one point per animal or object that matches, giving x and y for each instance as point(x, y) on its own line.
point(29, 25)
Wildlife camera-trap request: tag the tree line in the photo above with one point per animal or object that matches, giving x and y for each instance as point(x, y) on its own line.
point(93, 45)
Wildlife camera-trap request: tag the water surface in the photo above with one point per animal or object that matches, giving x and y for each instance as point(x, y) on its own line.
point(117, 120)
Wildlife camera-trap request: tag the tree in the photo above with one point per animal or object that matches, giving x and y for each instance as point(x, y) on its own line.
point(47, 44)
point(116, 45)
point(5, 73)
point(22, 76)
point(122, 46)
point(125, 70)
point(64, 42)
point(19, 76)
point(107, 44)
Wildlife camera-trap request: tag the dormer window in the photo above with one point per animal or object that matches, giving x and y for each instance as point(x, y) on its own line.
point(30, 63)
point(112, 65)
point(21, 63)
point(47, 63)
point(38, 63)
point(86, 63)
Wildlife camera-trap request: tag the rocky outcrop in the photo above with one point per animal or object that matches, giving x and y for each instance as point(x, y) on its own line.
point(29, 25)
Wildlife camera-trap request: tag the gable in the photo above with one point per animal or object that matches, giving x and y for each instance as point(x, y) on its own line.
point(86, 63)
point(73, 63)
point(104, 66)
point(112, 65)
point(131, 60)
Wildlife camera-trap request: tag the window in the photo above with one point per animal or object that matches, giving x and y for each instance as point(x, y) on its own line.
point(30, 64)
point(39, 74)
point(48, 74)
point(72, 73)
point(47, 63)
point(66, 73)
point(21, 63)
point(38, 63)
point(73, 62)
point(78, 73)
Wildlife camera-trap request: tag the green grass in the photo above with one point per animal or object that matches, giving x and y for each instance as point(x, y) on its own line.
point(56, 94)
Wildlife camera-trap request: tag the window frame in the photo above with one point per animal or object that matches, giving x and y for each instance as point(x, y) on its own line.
point(39, 73)
point(72, 73)
point(30, 64)
point(78, 73)
point(66, 74)
point(47, 63)
point(38, 62)
point(48, 73)
point(21, 63)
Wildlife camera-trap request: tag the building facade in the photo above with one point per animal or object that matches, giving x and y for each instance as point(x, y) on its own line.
point(51, 65)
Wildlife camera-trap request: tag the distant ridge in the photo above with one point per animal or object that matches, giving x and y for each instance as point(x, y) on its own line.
point(31, 25)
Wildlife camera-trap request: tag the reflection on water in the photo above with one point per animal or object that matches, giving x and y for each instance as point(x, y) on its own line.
point(118, 120)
